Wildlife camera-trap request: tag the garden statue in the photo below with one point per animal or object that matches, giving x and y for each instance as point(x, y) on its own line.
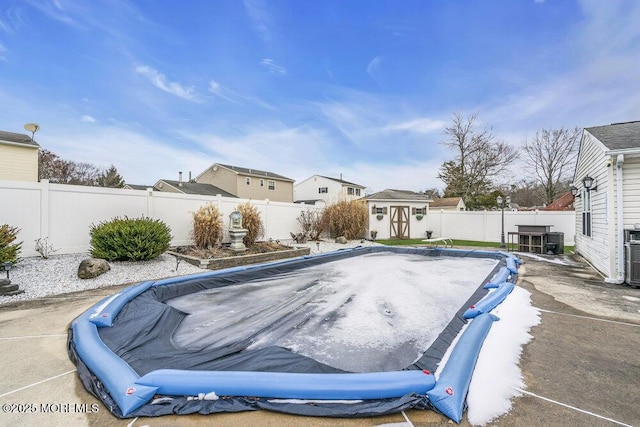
point(236, 232)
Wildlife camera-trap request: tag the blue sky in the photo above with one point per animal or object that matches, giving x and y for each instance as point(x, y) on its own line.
point(362, 88)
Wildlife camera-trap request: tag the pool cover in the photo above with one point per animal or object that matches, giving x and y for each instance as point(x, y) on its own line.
point(353, 322)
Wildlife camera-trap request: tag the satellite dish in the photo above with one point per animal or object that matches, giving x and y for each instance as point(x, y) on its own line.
point(33, 128)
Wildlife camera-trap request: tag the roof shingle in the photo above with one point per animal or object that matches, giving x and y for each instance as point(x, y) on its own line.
point(618, 136)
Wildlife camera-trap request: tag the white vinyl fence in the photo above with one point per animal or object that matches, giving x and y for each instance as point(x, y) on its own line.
point(486, 226)
point(64, 213)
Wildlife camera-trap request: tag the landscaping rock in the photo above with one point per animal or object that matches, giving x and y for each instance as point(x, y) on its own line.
point(342, 240)
point(8, 289)
point(4, 282)
point(92, 267)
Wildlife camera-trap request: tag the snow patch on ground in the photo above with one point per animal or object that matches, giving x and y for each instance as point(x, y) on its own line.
point(549, 259)
point(497, 376)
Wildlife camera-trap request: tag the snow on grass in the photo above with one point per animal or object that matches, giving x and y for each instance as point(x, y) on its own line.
point(497, 376)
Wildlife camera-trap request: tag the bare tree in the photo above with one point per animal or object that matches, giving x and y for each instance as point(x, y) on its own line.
point(480, 157)
point(60, 171)
point(551, 156)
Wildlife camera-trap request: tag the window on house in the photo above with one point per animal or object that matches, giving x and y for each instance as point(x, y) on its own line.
point(421, 211)
point(272, 185)
point(323, 190)
point(350, 191)
point(357, 191)
point(262, 183)
point(379, 211)
point(247, 180)
point(586, 213)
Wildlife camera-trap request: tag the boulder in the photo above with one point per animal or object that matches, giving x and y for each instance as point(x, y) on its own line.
point(5, 282)
point(341, 240)
point(92, 267)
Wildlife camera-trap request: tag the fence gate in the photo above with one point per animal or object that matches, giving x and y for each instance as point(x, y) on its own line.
point(399, 222)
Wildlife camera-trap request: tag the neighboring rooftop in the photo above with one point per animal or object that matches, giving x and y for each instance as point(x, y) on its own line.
point(255, 172)
point(137, 186)
point(196, 188)
point(342, 181)
point(442, 202)
point(391, 194)
point(17, 138)
point(618, 136)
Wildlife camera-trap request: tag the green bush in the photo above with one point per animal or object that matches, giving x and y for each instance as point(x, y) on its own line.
point(348, 219)
point(9, 251)
point(125, 239)
point(252, 222)
point(207, 227)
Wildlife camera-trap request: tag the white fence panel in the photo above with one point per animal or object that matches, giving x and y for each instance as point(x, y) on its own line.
point(64, 213)
point(486, 226)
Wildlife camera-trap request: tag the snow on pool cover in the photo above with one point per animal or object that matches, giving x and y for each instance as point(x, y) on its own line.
point(355, 331)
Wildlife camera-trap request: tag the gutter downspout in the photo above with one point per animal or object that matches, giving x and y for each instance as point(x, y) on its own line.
point(619, 222)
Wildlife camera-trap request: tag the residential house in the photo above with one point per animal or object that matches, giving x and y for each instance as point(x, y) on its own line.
point(398, 214)
point(562, 203)
point(330, 190)
point(606, 184)
point(448, 204)
point(18, 157)
point(248, 183)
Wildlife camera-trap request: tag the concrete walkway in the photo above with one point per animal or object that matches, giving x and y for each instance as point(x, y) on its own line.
point(582, 367)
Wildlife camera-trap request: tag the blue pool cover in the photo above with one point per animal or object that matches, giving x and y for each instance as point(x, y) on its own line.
point(126, 356)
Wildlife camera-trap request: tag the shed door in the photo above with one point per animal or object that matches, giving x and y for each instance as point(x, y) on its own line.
point(399, 222)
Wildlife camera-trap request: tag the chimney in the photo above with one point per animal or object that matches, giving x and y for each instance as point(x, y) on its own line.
point(179, 179)
point(190, 177)
point(340, 176)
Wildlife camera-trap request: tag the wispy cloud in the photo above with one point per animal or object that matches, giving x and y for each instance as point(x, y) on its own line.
point(160, 81)
point(88, 119)
point(3, 50)
point(421, 125)
point(227, 94)
point(56, 10)
point(223, 92)
point(11, 19)
point(273, 68)
point(256, 9)
point(373, 69)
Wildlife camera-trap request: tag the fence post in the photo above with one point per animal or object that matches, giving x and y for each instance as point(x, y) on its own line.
point(266, 218)
point(44, 209)
point(484, 225)
point(150, 209)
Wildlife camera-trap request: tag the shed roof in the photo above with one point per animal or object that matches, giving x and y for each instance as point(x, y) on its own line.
point(618, 136)
point(391, 194)
point(17, 138)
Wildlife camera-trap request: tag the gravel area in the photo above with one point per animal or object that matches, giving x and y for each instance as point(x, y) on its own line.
point(56, 275)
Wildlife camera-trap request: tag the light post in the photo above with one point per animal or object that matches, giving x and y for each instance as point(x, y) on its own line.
point(501, 205)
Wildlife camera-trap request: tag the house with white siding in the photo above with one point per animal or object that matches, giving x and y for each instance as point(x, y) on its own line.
point(606, 187)
point(330, 190)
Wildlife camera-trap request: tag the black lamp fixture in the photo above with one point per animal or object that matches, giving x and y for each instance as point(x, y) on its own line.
point(6, 266)
point(501, 206)
point(589, 183)
point(574, 191)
